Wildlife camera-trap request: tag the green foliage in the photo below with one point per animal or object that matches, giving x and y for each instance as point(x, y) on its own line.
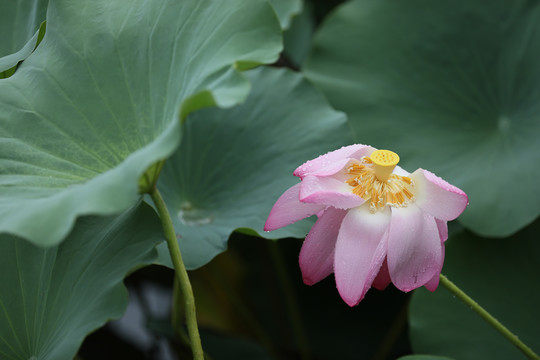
point(452, 87)
point(19, 21)
point(8, 63)
point(233, 164)
point(286, 10)
point(113, 97)
point(502, 276)
point(103, 94)
point(21, 32)
point(50, 299)
point(297, 39)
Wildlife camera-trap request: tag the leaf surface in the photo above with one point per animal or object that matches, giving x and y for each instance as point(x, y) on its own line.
point(233, 164)
point(51, 298)
point(19, 21)
point(101, 100)
point(452, 87)
point(21, 31)
point(286, 10)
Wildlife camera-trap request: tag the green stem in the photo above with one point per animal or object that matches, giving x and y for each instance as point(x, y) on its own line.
point(181, 274)
point(176, 315)
point(489, 318)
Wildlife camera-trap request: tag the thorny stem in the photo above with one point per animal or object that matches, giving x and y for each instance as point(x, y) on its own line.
point(489, 318)
point(181, 274)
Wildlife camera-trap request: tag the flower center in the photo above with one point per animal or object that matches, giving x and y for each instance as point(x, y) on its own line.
point(372, 180)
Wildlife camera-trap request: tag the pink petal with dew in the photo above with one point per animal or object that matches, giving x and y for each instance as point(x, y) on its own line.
point(289, 209)
point(443, 229)
point(439, 198)
point(317, 254)
point(383, 277)
point(360, 252)
point(432, 284)
point(333, 168)
point(351, 151)
point(414, 248)
point(328, 191)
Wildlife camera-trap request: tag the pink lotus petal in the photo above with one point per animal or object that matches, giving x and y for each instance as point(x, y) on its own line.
point(317, 253)
point(333, 168)
point(288, 209)
point(414, 248)
point(443, 229)
point(351, 151)
point(328, 191)
point(383, 277)
point(360, 252)
point(432, 284)
point(439, 198)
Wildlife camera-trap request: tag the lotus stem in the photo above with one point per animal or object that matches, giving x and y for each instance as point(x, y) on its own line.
point(496, 324)
point(180, 273)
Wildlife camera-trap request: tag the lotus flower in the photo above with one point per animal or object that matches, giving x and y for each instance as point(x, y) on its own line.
point(376, 222)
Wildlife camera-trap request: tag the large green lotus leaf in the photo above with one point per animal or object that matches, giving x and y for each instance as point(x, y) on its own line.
point(286, 10)
point(100, 99)
point(20, 28)
point(8, 63)
point(51, 298)
point(502, 276)
point(19, 21)
point(297, 39)
point(452, 86)
point(233, 164)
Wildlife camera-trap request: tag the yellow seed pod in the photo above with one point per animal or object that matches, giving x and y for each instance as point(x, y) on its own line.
point(384, 162)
